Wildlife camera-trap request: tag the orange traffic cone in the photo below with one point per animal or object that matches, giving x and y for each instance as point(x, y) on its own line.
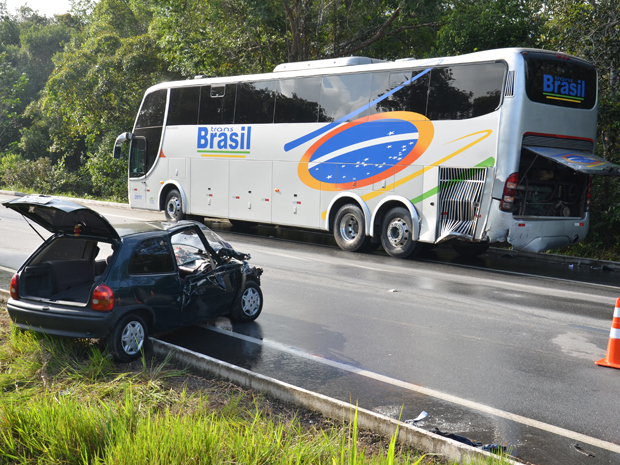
point(613, 348)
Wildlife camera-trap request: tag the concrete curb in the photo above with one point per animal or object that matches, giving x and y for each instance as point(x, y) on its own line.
point(422, 440)
point(553, 258)
point(4, 296)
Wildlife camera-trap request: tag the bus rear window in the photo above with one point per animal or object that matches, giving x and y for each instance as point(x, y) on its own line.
point(559, 81)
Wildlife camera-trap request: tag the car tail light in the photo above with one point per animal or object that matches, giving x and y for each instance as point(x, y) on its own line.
point(103, 299)
point(589, 195)
point(510, 190)
point(15, 286)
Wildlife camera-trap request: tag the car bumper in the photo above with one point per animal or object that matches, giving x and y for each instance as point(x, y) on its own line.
point(61, 320)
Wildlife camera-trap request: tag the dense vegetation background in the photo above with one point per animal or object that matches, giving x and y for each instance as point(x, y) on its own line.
point(70, 84)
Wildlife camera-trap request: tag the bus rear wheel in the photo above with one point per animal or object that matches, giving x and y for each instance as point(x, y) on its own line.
point(349, 230)
point(174, 206)
point(397, 234)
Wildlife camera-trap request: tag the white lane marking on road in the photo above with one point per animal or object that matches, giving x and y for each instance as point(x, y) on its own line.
point(139, 220)
point(426, 391)
point(10, 270)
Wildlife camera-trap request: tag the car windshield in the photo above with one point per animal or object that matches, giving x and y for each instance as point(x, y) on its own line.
point(215, 241)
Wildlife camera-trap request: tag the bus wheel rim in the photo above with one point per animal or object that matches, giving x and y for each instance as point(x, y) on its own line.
point(349, 227)
point(174, 207)
point(398, 232)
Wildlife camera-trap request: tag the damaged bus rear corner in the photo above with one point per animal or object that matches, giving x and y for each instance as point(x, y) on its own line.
point(541, 196)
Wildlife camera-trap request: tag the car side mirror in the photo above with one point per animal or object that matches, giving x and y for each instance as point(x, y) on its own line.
point(120, 140)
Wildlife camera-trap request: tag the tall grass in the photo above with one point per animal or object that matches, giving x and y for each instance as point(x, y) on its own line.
point(65, 402)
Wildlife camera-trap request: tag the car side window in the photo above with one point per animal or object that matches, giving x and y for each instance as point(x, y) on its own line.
point(151, 256)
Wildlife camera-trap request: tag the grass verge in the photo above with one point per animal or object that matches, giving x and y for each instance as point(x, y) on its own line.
point(65, 401)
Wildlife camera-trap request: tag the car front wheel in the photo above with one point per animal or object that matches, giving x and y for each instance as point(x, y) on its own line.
point(250, 305)
point(128, 338)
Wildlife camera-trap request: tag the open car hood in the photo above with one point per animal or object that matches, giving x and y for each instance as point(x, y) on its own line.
point(585, 162)
point(61, 216)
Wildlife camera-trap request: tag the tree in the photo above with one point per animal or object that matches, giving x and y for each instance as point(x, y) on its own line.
point(244, 36)
point(12, 89)
point(474, 25)
point(96, 89)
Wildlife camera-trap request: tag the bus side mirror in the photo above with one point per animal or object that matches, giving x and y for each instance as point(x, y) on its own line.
point(120, 140)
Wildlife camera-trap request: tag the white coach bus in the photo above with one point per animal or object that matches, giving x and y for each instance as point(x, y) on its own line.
point(491, 147)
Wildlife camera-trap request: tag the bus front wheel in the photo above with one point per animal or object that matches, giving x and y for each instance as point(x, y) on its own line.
point(349, 230)
point(397, 234)
point(174, 206)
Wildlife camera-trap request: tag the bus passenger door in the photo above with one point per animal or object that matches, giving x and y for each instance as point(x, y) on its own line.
point(294, 203)
point(137, 168)
point(250, 193)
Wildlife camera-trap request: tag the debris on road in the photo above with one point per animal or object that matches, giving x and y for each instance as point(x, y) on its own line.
point(494, 448)
point(420, 417)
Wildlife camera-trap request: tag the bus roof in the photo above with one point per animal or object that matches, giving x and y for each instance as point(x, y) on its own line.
point(357, 65)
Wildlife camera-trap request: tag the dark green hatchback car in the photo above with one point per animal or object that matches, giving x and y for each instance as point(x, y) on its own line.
point(92, 280)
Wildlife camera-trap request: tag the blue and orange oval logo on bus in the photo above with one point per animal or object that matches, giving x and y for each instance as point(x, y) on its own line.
point(365, 151)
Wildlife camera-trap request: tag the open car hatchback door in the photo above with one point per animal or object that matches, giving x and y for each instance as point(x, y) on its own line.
point(64, 217)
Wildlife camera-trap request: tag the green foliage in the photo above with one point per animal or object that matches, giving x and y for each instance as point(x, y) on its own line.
point(63, 402)
point(109, 176)
point(42, 177)
point(12, 89)
point(244, 36)
point(475, 25)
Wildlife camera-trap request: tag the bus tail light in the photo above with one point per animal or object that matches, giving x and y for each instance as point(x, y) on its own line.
point(15, 287)
point(510, 190)
point(589, 195)
point(103, 299)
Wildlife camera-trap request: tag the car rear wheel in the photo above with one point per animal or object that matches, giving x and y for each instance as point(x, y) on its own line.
point(250, 305)
point(128, 338)
point(174, 206)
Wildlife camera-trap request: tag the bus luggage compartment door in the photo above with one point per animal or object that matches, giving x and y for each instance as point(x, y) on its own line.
point(250, 190)
point(294, 203)
point(209, 187)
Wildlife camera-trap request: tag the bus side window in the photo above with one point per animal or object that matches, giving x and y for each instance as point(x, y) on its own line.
point(343, 94)
point(255, 102)
point(217, 104)
point(465, 91)
point(297, 100)
point(183, 109)
point(412, 97)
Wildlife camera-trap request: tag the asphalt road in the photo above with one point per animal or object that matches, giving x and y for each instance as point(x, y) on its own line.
point(494, 355)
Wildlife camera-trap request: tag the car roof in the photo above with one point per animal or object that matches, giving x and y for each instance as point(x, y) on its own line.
point(128, 229)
